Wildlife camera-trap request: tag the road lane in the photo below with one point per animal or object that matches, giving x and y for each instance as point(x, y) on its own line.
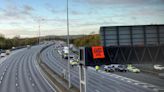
point(143, 77)
point(19, 73)
point(96, 81)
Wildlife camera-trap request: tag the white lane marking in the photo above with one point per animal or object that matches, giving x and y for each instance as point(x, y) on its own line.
point(145, 86)
point(38, 68)
point(129, 81)
point(3, 73)
point(16, 84)
point(1, 78)
point(156, 90)
point(5, 69)
point(139, 83)
point(33, 84)
point(0, 82)
point(135, 82)
point(97, 90)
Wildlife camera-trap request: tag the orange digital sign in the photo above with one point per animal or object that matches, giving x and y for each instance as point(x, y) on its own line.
point(98, 52)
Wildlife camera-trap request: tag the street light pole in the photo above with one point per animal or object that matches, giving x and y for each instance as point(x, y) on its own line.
point(39, 32)
point(69, 74)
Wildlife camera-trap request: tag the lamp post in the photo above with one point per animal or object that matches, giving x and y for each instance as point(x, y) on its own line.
point(68, 44)
point(39, 32)
point(39, 27)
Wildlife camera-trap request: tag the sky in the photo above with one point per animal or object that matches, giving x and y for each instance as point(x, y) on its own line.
point(22, 17)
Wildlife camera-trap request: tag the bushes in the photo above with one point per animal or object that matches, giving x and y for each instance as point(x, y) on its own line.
point(15, 42)
point(90, 40)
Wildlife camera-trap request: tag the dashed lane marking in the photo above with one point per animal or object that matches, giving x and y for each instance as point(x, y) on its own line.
point(132, 81)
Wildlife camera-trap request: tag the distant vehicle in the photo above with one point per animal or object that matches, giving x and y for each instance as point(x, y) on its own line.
point(158, 67)
point(73, 62)
point(114, 65)
point(28, 46)
point(109, 68)
point(65, 50)
point(13, 47)
point(71, 46)
point(121, 68)
point(3, 54)
point(66, 56)
point(133, 69)
point(7, 52)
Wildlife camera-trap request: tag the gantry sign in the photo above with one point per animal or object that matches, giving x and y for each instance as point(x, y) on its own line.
point(99, 55)
point(92, 56)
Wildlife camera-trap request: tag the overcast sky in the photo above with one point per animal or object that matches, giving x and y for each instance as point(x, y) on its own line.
point(20, 17)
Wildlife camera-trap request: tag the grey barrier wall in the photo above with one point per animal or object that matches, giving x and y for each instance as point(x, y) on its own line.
point(142, 35)
point(135, 44)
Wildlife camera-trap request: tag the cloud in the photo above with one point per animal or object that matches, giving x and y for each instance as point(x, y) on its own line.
point(13, 32)
point(27, 10)
point(73, 12)
point(115, 2)
point(13, 12)
point(148, 12)
point(54, 9)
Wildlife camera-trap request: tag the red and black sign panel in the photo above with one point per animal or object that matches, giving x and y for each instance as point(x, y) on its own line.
point(96, 56)
point(98, 52)
point(99, 55)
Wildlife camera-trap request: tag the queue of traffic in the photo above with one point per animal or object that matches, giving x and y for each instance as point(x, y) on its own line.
point(63, 52)
point(121, 68)
point(3, 53)
point(74, 60)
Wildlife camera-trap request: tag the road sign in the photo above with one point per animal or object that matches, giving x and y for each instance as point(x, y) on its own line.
point(98, 52)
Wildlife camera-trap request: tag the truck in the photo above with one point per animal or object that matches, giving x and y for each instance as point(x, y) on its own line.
point(65, 52)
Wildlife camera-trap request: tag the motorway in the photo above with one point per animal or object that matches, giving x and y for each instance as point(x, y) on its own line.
point(18, 72)
point(96, 81)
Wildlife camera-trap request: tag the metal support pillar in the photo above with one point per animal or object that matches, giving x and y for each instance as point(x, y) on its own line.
point(82, 73)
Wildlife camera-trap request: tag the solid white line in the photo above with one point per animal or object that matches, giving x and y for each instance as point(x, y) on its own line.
point(38, 68)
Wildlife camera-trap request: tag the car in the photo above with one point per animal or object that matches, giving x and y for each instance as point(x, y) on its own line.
point(114, 65)
point(158, 67)
point(7, 52)
point(28, 46)
point(3, 54)
point(121, 68)
point(109, 68)
point(73, 62)
point(133, 69)
point(65, 56)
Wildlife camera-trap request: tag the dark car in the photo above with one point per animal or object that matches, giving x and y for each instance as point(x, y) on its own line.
point(109, 68)
point(121, 68)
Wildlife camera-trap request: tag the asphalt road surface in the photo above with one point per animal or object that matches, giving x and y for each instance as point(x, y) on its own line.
point(96, 81)
point(18, 72)
point(148, 78)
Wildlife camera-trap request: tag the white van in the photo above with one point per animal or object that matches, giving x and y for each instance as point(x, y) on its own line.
point(7, 52)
